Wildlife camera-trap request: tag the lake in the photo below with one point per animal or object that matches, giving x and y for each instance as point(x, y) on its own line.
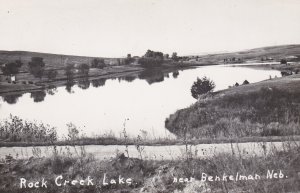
point(141, 102)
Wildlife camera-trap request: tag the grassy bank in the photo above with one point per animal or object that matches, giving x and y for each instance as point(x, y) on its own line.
point(157, 175)
point(267, 108)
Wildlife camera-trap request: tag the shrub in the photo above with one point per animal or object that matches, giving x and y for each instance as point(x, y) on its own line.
point(84, 69)
point(69, 72)
point(36, 66)
point(283, 61)
point(15, 129)
point(11, 68)
point(98, 63)
point(245, 82)
point(51, 74)
point(202, 86)
point(150, 62)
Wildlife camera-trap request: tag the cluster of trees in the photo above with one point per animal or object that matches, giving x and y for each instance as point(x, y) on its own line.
point(153, 54)
point(98, 63)
point(36, 67)
point(152, 59)
point(155, 59)
point(150, 62)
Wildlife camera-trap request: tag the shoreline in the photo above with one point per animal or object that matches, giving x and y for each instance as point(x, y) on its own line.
point(108, 73)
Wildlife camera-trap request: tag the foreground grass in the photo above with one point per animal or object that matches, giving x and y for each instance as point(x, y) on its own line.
point(157, 175)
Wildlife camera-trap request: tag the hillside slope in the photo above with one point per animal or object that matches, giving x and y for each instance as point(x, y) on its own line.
point(275, 52)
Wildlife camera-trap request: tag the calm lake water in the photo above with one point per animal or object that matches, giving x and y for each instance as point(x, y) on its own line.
point(144, 101)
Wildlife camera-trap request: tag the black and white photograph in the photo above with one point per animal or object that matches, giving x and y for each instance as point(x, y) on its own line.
point(150, 96)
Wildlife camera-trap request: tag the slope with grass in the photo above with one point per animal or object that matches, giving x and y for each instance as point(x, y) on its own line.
point(267, 108)
point(275, 53)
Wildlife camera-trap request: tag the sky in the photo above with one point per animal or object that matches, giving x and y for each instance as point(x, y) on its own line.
point(114, 28)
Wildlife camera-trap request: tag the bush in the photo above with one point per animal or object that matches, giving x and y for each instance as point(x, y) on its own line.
point(98, 63)
point(245, 82)
point(51, 74)
point(150, 62)
point(69, 72)
point(15, 129)
point(283, 61)
point(202, 86)
point(36, 66)
point(11, 68)
point(84, 69)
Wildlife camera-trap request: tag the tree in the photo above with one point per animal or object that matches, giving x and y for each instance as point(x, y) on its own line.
point(69, 72)
point(51, 74)
point(98, 63)
point(153, 54)
point(84, 69)
point(174, 56)
point(36, 67)
point(245, 82)
point(283, 61)
point(11, 68)
point(202, 86)
point(129, 59)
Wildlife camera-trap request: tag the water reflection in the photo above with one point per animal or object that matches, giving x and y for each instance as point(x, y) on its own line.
point(129, 78)
point(98, 82)
point(12, 98)
point(84, 83)
point(152, 76)
point(175, 74)
point(51, 90)
point(69, 85)
point(38, 96)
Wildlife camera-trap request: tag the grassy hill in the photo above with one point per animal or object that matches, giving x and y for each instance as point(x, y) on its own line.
point(267, 108)
point(275, 52)
point(56, 61)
